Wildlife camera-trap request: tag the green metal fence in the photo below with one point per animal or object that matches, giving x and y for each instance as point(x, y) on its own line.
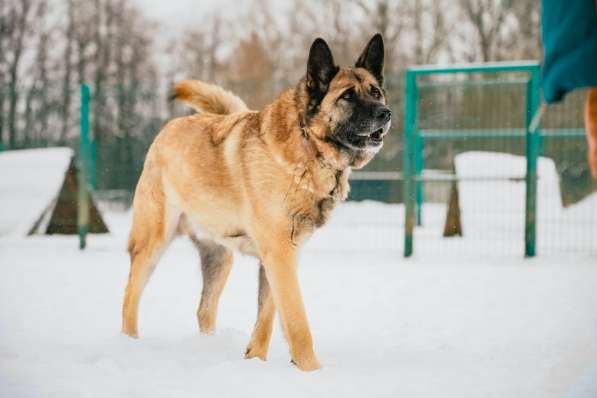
point(447, 113)
point(490, 107)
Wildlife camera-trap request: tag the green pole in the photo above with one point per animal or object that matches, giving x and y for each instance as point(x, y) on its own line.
point(409, 160)
point(92, 164)
point(533, 147)
point(419, 166)
point(83, 162)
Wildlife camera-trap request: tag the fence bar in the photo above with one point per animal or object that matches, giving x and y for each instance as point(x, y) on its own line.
point(83, 162)
point(471, 82)
point(410, 119)
point(455, 178)
point(533, 145)
point(563, 133)
point(490, 67)
point(419, 166)
point(497, 134)
point(466, 134)
point(376, 176)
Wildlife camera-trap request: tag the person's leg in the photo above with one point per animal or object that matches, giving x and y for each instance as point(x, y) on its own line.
point(591, 128)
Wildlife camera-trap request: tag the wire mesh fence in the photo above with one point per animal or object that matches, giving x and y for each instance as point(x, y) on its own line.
point(471, 157)
point(459, 115)
point(572, 226)
point(123, 120)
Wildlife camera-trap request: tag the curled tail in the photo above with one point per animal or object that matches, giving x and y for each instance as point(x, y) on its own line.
point(209, 98)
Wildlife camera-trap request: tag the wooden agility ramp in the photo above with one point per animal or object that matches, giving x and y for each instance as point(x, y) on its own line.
point(38, 193)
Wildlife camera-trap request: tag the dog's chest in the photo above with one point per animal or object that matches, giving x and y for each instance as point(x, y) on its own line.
point(313, 198)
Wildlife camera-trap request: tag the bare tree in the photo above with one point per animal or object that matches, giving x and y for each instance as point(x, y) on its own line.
point(525, 40)
point(36, 127)
point(487, 19)
point(83, 26)
point(67, 76)
point(385, 17)
point(431, 29)
point(4, 34)
point(18, 20)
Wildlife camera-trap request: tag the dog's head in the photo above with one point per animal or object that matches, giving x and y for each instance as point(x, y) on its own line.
point(346, 107)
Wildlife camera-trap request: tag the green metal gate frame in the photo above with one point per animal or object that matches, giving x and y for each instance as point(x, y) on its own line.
point(85, 167)
point(414, 141)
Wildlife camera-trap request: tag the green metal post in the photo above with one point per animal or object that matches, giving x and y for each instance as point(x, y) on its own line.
point(92, 169)
point(410, 118)
point(419, 166)
point(83, 163)
point(533, 147)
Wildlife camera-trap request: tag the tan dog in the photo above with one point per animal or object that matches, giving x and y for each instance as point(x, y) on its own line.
point(259, 183)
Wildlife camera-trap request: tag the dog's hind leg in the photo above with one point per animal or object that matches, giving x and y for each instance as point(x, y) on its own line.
point(262, 333)
point(154, 224)
point(216, 263)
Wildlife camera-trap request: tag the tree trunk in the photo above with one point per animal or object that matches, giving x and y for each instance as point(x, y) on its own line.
point(66, 88)
point(13, 94)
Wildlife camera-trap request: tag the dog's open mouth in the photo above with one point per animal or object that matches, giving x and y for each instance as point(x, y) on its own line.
point(377, 135)
point(361, 141)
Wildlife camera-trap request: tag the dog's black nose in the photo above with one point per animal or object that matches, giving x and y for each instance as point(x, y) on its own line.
point(383, 114)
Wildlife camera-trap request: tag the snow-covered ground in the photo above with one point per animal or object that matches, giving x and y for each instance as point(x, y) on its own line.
point(482, 323)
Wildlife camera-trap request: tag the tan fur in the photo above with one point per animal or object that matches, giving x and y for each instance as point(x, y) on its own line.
point(255, 182)
point(262, 333)
point(204, 97)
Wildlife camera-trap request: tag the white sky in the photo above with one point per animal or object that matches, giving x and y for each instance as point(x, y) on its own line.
point(180, 14)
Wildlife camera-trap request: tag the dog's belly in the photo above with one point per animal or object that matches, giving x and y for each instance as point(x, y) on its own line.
point(232, 237)
point(242, 244)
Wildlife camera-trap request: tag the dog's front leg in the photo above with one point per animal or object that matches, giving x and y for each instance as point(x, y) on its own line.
point(279, 258)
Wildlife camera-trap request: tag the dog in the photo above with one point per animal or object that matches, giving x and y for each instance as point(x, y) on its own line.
point(259, 183)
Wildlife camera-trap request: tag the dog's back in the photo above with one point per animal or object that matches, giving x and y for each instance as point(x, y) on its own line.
point(202, 148)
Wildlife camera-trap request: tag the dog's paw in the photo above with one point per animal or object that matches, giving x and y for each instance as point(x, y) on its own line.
point(307, 364)
point(254, 352)
point(129, 333)
point(207, 332)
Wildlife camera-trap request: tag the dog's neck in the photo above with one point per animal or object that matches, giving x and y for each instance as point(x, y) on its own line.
point(296, 148)
point(284, 129)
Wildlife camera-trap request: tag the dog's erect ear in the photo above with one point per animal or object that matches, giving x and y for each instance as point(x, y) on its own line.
point(320, 69)
point(372, 58)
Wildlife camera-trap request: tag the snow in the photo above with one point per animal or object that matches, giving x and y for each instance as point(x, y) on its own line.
point(30, 184)
point(506, 195)
point(436, 325)
point(499, 202)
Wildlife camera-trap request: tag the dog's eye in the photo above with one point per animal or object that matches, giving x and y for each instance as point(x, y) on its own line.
point(348, 95)
point(375, 93)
